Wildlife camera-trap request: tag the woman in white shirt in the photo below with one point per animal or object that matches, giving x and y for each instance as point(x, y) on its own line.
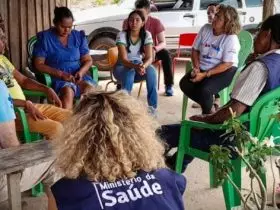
point(214, 57)
point(135, 58)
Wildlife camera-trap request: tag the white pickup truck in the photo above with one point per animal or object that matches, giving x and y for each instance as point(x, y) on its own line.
point(101, 24)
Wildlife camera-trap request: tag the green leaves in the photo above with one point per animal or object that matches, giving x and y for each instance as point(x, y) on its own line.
point(220, 158)
point(257, 155)
point(236, 132)
point(244, 144)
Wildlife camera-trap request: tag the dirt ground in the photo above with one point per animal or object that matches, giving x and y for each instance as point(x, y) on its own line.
point(198, 195)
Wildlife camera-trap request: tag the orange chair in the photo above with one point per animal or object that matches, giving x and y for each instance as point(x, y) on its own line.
point(112, 57)
point(186, 41)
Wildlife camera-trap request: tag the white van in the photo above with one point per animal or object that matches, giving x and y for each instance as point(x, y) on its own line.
point(102, 24)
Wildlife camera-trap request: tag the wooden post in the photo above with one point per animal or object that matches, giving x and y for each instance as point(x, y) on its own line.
point(14, 194)
point(268, 8)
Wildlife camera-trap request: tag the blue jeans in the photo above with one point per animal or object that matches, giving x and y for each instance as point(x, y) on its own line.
point(128, 76)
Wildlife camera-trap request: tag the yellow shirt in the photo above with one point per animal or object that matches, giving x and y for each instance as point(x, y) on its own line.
point(6, 74)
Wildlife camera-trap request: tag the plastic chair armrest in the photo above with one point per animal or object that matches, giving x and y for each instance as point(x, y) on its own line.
point(189, 66)
point(94, 73)
point(22, 116)
point(196, 124)
point(48, 79)
point(243, 118)
point(34, 93)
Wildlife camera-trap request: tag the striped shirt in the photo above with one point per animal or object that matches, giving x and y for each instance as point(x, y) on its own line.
point(251, 82)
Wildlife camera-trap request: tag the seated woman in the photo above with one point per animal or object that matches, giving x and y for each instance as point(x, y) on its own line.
point(135, 47)
point(64, 54)
point(214, 57)
point(112, 158)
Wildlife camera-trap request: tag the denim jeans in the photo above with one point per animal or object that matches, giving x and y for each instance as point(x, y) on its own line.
point(128, 76)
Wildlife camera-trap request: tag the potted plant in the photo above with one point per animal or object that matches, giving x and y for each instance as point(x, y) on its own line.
point(254, 154)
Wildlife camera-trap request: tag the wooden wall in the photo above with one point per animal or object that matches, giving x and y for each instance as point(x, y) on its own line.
point(268, 8)
point(22, 20)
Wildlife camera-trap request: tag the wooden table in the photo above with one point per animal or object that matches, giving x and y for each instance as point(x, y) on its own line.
point(16, 159)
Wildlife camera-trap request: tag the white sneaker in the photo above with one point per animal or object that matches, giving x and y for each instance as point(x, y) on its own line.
point(152, 111)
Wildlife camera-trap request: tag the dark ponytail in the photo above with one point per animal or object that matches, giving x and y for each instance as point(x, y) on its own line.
point(60, 13)
point(142, 33)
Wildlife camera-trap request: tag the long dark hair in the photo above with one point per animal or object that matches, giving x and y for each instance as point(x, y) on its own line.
point(142, 33)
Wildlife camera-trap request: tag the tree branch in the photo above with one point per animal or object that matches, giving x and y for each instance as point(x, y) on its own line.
point(239, 192)
point(273, 184)
point(251, 191)
point(255, 197)
point(262, 188)
point(268, 6)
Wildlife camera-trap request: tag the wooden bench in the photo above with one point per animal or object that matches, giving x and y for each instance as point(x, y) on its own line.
point(16, 159)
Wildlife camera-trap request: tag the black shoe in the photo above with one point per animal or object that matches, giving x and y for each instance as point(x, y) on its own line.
point(171, 161)
point(119, 87)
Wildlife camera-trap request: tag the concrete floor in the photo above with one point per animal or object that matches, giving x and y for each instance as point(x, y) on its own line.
point(198, 195)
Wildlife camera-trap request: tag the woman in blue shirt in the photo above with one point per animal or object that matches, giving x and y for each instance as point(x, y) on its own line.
point(112, 159)
point(64, 54)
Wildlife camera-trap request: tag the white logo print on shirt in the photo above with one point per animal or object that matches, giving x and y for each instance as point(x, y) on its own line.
point(109, 198)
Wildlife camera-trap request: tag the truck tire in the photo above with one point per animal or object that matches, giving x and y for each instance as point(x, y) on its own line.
point(102, 43)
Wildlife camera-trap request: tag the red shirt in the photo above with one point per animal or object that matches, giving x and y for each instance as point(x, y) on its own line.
point(153, 25)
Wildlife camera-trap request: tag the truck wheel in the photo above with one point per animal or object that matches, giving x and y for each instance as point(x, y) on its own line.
point(102, 43)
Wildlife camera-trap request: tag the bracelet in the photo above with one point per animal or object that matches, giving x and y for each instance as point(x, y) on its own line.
point(208, 74)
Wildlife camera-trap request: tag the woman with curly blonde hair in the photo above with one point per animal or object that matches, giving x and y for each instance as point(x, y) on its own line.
point(112, 158)
point(214, 58)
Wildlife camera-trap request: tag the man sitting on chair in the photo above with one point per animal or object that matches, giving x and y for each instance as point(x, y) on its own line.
point(260, 76)
point(42, 118)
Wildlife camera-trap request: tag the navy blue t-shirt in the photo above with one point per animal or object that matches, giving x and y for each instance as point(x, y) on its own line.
point(158, 190)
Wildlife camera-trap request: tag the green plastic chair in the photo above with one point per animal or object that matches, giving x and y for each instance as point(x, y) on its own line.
point(29, 137)
point(246, 46)
point(43, 77)
point(260, 124)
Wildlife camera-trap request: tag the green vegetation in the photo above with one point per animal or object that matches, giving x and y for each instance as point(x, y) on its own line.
point(80, 3)
point(253, 153)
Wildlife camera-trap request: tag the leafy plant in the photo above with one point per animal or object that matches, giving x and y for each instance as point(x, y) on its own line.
point(116, 1)
point(252, 152)
point(99, 2)
point(220, 156)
